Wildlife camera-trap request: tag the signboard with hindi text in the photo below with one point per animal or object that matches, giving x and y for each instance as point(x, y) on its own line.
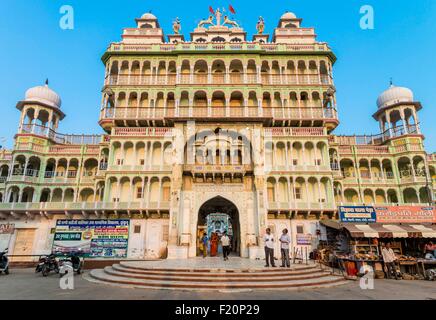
point(406, 214)
point(92, 238)
point(357, 214)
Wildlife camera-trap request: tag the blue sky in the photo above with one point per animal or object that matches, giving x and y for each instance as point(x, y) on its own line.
point(34, 48)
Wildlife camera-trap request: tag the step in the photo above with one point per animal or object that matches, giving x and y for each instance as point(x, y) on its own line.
point(328, 280)
point(116, 271)
point(278, 270)
point(204, 273)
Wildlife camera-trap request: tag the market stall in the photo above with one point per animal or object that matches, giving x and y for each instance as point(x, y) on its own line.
point(354, 245)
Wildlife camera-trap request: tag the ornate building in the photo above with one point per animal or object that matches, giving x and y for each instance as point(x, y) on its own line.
point(214, 124)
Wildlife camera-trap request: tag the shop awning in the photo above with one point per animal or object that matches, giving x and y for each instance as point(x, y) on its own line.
point(381, 230)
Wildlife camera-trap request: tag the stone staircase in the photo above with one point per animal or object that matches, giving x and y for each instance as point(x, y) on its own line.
point(139, 275)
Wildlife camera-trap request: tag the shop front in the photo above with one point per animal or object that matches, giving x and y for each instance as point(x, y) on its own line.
point(357, 239)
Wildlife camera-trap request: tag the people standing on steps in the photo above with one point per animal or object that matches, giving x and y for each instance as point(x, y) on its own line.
point(268, 238)
point(214, 244)
point(203, 243)
point(225, 243)
point(285, 240)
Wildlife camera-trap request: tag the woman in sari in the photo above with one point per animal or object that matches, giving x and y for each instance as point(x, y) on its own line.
point(213, 244)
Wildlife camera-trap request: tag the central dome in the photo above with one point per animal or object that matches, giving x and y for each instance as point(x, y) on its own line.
point(44, 95)
point(394, 95)
point(288, 15)
point(148, 16)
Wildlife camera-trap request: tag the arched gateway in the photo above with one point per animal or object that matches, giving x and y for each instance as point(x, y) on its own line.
point(217, 215)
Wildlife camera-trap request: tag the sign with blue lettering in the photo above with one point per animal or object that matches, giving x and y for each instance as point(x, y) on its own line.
point(357, 214)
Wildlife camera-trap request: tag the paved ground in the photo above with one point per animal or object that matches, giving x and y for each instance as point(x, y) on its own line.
point(25, 284)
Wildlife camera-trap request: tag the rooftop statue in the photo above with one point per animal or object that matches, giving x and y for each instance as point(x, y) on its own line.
point(230, 22)
point(260, 26)
point(177, 26)
point(209, 21)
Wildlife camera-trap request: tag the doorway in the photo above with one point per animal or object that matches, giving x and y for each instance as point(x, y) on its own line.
point(218, 215)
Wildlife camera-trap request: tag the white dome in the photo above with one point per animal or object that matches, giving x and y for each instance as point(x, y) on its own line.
point(44, 95)
point(148, 16)
point(288, 15)
point(394, 95)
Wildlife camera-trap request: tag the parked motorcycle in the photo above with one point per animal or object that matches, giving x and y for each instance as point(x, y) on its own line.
point(72, 263)
point(47, 264)
point(4, 262)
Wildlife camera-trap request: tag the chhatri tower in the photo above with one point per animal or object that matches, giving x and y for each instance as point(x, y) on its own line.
point(217, 125)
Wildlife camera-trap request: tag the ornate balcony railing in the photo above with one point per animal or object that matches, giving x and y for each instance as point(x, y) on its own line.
point(304, 113)
point(81, 206)
point(192, 46)
point(376, 139)
point(295, 132)
point(173, 79)
point(142, 131)
point(216, 168)
point(302, 205)
point(58, 137)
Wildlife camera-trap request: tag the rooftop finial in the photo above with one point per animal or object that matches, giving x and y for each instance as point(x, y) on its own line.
point(46, 82)
point(391, 82)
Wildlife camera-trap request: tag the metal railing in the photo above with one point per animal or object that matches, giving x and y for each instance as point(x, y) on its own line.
point(58, 137)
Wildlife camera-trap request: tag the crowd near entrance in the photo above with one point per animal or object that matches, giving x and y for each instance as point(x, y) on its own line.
point(217, 217)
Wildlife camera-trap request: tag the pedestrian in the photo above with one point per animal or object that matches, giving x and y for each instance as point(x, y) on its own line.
point(285, 240)
point(225, 243)
point(203, 241)
point(268, 238)
point(389, 259)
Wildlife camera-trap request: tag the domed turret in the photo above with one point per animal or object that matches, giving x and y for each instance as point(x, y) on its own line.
point(44, 95)
point(397, 112)
point(288, 16)
point(40, 110)
point(393, 96)
point(148, 16)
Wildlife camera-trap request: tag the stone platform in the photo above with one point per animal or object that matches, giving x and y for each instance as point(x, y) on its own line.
point(214, 274)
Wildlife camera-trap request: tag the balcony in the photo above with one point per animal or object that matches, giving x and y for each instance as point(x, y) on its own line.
point(307, 116)
point(215, 47)
point(69, 176)
point(141, 168)
point(20, 175)
point(380, 138)
point(265, 79)
point(221, 169)
point(47, 132)
point(142, 132)
point(301, 205)
point(295, 132)
point(81, 207)
point(296, 168)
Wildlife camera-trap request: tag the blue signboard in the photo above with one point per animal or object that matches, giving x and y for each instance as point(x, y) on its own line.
point(357, 214)
point(92, 238)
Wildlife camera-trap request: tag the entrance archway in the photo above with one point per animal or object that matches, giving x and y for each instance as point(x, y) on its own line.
point(219, 214)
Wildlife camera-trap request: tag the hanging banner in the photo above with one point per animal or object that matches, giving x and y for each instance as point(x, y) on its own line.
point(357, 214)
point(406, 214)
point(92, 238)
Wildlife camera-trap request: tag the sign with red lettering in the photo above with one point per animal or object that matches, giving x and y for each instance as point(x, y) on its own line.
point(406, 214)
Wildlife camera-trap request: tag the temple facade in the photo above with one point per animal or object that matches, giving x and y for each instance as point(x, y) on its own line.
point(215, 124)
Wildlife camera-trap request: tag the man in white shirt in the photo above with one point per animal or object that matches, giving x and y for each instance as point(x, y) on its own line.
point(268, 238)
point(285, 240)
point(389, 259)
point(225, 242)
